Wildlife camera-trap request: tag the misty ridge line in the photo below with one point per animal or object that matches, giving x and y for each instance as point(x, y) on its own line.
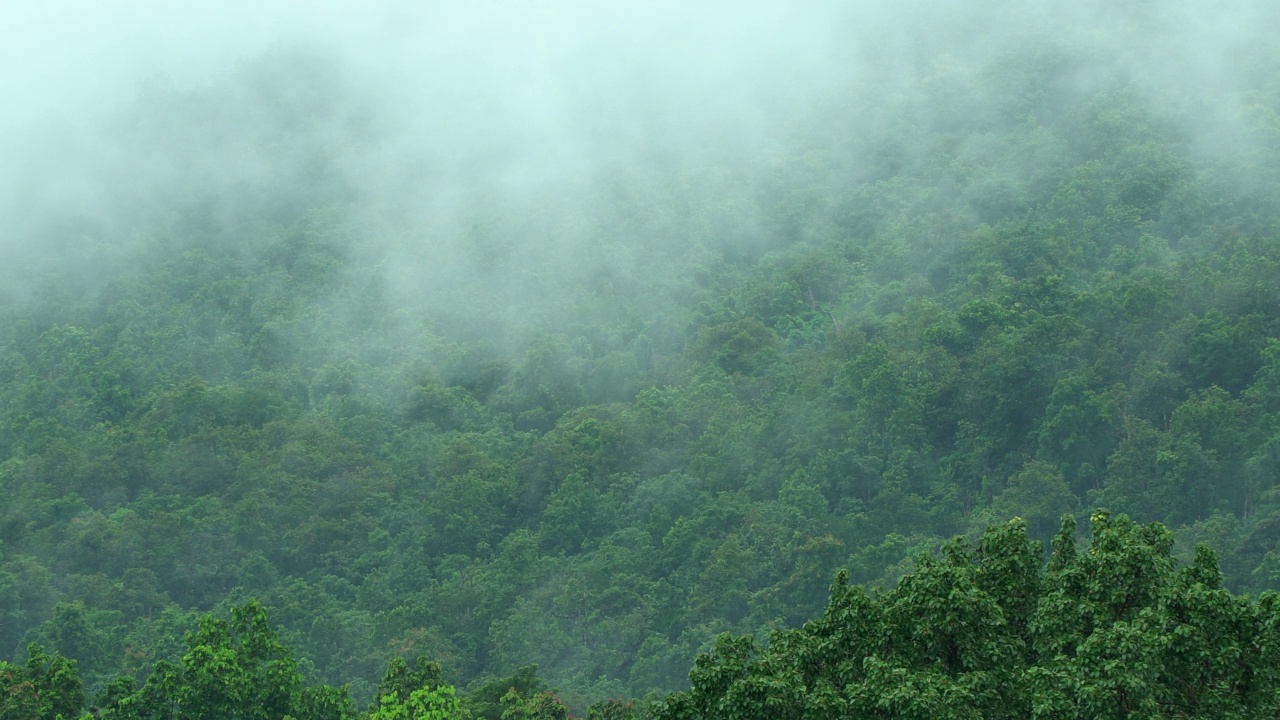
point(682, 306)
point(430, 232)
point(485, 174)
point(545, 103)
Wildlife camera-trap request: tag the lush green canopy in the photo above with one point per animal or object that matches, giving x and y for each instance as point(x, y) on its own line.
point(986, 631)
point(254, 343)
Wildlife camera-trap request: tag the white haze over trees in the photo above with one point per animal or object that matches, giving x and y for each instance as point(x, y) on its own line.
point(432, 108)
point(422, 245)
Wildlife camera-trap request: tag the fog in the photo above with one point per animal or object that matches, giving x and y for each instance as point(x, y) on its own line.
point(394, 196)
point(511, 166)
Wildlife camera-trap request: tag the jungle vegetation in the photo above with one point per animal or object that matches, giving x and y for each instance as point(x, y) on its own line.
point(296, 422)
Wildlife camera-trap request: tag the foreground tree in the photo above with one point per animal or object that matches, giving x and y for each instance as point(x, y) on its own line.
point(46, 687)
point(987, 631)
point(232, 669)
point(415, 693)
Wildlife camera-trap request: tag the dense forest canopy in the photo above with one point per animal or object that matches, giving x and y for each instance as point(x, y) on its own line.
point(574, 338)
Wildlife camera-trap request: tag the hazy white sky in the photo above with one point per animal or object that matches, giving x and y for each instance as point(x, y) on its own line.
point(557, 74)
point(72, 56)
point(545, 96)
point(65, 55)
point(548, 87)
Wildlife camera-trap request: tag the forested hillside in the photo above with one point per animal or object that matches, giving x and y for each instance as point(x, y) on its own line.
point(468, 400)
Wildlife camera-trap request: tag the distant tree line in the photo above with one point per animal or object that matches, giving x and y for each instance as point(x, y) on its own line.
point(985, 629)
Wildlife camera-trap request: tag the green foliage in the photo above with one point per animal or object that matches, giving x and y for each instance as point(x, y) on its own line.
point(494, 698)
point(47, 687)
point(231, 669)
point(402, 681)
point(437, 703)
point(542, 706)
point(986, 631)
point(325, 702)
point(614, 709)
point(596, 426)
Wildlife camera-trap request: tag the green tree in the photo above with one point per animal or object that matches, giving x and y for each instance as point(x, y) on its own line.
point(435, 703)
point(544, 705)
point(988, 631)
point(46, 687)
point(231, 669)
point(493, 698)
